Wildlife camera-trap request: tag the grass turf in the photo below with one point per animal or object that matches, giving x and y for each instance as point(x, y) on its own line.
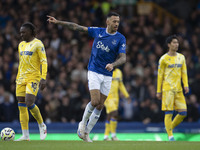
point(121, 136)
point(99, 145)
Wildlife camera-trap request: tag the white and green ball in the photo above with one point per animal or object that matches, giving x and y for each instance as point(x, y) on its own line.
point(7, 134)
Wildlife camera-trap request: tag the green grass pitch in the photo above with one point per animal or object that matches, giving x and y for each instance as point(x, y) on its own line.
point(99, 145)
point(128, 141)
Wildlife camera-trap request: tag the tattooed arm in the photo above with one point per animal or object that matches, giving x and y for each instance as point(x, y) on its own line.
point(121, 60)
point(69, 25)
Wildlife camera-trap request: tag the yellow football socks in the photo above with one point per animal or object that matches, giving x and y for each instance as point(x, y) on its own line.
point(177, 120)
point(23, 116)
point(107, 128)
point(113, 125)
point(168, 124)
point(36, 113)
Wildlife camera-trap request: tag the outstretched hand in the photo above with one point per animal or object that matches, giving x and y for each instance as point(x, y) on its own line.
point(52, 20)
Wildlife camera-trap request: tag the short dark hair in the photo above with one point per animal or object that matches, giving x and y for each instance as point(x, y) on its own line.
point(170, 38)
point(112, 14)
point(30, 26)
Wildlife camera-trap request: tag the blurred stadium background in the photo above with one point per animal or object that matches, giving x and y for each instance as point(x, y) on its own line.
point(145, 23)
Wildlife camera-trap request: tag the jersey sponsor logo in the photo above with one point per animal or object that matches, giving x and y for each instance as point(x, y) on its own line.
point(102, 46)
point(26, 53)
point(175, 66)
point(100, 35)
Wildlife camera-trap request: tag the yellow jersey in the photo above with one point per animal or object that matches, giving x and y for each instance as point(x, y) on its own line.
point(117, 84)
point(32, 57)
point(171, 70)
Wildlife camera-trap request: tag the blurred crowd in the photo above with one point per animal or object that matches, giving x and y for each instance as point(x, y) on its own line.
point(66, 95)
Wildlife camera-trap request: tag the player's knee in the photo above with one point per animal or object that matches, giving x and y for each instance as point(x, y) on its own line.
point(114, 115)
point(183, 113)
point(100, 106)
point(95, 103)
point(21, 99)
point(29, 103)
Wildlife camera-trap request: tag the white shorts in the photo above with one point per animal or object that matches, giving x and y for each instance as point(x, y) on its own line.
point(99, 82)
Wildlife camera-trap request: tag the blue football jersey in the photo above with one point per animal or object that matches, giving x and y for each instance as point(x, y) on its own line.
point(105, 49)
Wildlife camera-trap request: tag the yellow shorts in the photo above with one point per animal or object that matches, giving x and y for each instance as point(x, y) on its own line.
point(172, 100)
point(27, 88)
point(111, 105)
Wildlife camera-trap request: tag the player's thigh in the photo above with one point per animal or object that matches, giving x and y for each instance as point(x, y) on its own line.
point(110, 105)
point(168, 100)
point(106, 85)
point(94, 80)
point(180, 103)
point(20, 90)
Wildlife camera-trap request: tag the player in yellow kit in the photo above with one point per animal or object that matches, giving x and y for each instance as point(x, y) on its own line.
point(111, 105)
point(172, 68)
point(31, 76)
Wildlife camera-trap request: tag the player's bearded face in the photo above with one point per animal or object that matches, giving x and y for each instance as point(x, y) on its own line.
point(113, 23)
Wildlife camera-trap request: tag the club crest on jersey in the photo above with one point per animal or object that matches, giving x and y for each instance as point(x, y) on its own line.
point(102, 46)
point(114, 42)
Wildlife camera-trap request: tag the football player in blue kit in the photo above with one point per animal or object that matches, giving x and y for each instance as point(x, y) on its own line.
point(108, 52)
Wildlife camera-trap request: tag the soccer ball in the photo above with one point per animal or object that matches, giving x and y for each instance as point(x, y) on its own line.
point(7, 134)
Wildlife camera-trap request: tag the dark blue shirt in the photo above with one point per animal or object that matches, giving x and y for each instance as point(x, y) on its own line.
point(105, 49)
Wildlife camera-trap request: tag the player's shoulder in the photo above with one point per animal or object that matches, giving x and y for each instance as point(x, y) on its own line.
point(164, 56)
point(120, 35)
point(21, 43)
point(37, 42)
point(180, 55)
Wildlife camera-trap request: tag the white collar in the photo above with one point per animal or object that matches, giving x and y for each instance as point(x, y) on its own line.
point(110, 33)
